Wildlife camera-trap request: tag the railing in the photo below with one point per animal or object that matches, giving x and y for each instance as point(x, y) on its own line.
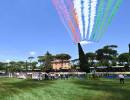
point(80, 73)
point(4, 75)
point(115, 77)
point(112, 73)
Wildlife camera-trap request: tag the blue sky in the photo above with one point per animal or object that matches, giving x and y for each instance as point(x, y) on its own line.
point(34, 26)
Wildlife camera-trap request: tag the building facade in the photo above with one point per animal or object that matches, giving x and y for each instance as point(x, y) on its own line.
point(58, 64)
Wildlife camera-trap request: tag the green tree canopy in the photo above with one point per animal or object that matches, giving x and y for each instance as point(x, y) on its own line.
point(106, 54)
point(2, 65)
point(122, 58)
point(12, 66)
point(41, 59)
point(91, 56)
point(63, 56)
point(30, 58)
point(34, 64)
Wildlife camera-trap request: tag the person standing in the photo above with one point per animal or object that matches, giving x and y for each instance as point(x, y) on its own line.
point(61, 76)
point(121, 78)
point(66, 76)
point(51, 75)
point(45, 76)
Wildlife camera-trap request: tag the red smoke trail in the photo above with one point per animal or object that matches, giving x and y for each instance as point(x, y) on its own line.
point(56, 5)
point(75, 16)
point(74, 42)
point(64, 8)
point(73, 29)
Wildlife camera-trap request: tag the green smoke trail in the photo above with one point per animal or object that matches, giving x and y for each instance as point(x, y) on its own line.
point(112, 15)
point(100, 11)
point(105, 16)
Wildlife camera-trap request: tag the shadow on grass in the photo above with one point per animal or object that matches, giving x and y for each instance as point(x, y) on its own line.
point(16, 86)
point(116, 90)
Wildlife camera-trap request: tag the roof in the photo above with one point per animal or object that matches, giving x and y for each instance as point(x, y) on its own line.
point(100, 67)
point(37, 69)
point(59, 61)
point(112, 67)
point(31, 69)
point(64, 68)
point(117, 66)
point(28, 69)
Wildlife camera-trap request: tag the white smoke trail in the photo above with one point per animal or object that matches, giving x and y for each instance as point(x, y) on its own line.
point(78, 8)
point(85, 42)
point(86, 15)
point(92, 15)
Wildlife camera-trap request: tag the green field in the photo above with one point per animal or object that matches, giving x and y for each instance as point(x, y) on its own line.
point(72, 89)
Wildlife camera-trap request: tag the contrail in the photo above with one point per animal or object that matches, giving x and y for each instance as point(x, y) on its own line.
point(99, 15)
point(62, 19)
point(86, 15)
point(111, 17)
point(77, 7)
point(92, 15)
point(105, 16)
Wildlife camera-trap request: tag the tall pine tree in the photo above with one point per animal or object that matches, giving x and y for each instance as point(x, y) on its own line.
point(48, 66)
point(83, 61)
point(129, 56)
point(129, 49)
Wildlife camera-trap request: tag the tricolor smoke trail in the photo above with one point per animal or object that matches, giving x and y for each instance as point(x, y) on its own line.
point(65, 10)
point(78, 8)
point(92, 15)
point(86, 15)
point(74, 16)
point(111, 17)
point(63, 21)
point(100, 12)
point(110, 2)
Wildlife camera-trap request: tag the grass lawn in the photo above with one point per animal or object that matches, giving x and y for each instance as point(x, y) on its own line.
point(72, 89)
